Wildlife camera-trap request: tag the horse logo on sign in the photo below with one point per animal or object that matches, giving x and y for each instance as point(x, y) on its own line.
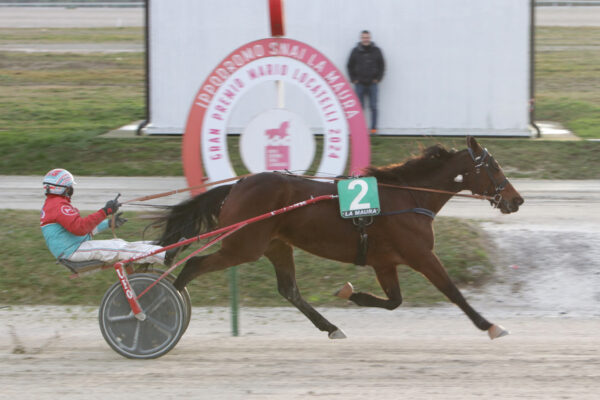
point(280, 132)
point(277, 140)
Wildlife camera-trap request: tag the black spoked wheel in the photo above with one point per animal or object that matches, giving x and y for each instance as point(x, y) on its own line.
point(166, 318)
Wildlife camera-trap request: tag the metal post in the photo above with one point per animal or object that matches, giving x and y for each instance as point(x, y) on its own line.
point(280, 94)
point(532, 69)
point(233, 290)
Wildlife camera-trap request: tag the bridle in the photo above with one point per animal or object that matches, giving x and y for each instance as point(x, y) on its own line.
point(486, 160)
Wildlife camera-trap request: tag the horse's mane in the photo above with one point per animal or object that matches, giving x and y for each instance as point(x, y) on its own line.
point(415, 168)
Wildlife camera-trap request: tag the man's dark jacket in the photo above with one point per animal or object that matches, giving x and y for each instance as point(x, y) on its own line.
point(366, 64)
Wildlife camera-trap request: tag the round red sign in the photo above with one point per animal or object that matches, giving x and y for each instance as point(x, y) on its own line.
point(273, 59)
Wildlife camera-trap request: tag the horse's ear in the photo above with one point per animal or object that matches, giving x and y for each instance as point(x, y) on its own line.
point(473, 144)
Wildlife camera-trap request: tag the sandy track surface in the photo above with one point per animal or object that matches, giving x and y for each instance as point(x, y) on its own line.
point(433, 353)
point(55, 17)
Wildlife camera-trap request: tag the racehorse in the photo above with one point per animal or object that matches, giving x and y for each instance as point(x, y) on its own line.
point(403, 234)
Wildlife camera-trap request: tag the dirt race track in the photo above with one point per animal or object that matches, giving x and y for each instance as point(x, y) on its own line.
point(425, 353)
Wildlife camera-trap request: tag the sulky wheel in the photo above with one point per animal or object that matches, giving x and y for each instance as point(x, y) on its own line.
point(166, 318)
point(184, 293)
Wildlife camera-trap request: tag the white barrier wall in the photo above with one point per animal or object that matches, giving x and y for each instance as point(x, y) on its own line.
point(453, 67)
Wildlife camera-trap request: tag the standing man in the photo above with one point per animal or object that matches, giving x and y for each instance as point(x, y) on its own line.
point(365, 68)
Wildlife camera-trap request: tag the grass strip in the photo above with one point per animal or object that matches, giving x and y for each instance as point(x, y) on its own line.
point(31, 276)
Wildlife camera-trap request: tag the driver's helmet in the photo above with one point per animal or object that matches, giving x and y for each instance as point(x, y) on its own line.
point(58, 181)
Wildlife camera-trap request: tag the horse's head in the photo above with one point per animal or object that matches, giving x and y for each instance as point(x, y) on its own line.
point(484, 176)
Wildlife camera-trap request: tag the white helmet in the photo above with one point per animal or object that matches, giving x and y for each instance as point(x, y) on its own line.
point(58, 181)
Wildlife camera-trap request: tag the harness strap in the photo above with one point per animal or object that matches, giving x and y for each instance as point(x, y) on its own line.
point(416, 210)
point(363, 239)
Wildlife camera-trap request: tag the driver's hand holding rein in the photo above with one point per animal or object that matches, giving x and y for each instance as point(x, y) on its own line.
point(111, 207)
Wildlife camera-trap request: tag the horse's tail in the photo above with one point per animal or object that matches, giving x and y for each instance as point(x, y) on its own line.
point(194, 216)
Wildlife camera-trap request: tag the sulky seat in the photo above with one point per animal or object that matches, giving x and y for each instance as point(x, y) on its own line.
point(79, 267)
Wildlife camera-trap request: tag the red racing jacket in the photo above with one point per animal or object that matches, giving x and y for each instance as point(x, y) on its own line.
point(64, 228)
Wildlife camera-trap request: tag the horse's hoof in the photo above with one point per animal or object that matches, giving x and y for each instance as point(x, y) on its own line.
point(497, 331)
point(346, 291)
point(337, 334)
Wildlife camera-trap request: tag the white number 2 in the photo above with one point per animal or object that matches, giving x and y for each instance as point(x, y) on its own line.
point(364, 188)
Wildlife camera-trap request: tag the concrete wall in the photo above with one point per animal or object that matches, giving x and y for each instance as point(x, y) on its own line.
point(454, 67)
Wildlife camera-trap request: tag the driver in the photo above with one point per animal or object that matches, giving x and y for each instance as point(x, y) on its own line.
point(68, 235)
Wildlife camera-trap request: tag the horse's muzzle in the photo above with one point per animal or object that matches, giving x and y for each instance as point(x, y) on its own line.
point(508, 206)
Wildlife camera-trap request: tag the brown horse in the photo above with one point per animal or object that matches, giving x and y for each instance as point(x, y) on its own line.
point(403, 236)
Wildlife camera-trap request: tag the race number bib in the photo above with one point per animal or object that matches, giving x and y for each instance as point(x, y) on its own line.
point(358, 197)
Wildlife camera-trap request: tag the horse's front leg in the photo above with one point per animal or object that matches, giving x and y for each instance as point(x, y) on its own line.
point(427, 263)
point(387, 276)
point(281, 256)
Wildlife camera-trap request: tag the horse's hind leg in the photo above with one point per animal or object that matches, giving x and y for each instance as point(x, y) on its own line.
point(388, 280)
point(280, 254)
point(199, 265)
point(244, 246)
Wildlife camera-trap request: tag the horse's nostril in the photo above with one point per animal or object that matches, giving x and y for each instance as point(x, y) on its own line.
point(518, 201)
